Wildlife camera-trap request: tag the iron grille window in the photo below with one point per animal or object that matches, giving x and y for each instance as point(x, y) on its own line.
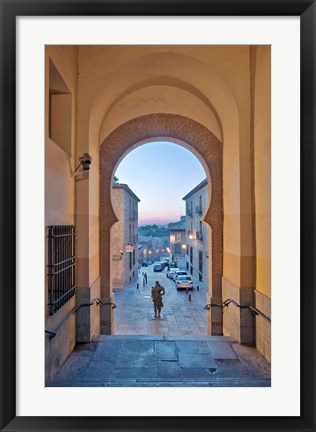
point(61, 266)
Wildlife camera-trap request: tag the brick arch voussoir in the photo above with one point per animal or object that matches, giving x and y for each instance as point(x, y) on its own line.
point(151, 126)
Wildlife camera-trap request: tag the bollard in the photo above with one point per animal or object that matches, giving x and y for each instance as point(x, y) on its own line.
point(137, 285)
point(189, 297)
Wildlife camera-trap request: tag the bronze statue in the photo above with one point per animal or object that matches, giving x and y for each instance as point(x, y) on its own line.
point(157, 292)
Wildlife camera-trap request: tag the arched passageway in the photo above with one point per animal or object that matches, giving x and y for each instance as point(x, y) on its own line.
point(210, 152)
point(213, 99)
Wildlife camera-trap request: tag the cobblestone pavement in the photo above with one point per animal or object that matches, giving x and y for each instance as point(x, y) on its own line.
point(180, 316)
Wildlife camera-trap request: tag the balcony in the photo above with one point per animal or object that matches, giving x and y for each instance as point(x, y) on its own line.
point(198, 210)
point(199, 236)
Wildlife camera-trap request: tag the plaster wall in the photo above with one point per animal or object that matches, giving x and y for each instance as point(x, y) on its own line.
point(262, 168)
point(59, 200)
point(261, 64)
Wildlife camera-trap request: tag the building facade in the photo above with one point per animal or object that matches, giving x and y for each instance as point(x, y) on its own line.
point(178, 241)
point(124, 234)
point(196, 232)
point(144, 248)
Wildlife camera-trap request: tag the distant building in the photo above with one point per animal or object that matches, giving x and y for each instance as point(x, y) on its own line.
point(197, 236)
point(178, 241)
point(157, 245)
point(149, 248)
point(144, 248)
point(124, 233)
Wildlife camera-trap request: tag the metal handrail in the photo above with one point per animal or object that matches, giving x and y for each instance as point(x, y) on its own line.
point(95, 301)
point(229, 301)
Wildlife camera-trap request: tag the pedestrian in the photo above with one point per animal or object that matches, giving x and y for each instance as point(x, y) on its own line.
point(157, 292)
point(145, 277)
point(144, 281)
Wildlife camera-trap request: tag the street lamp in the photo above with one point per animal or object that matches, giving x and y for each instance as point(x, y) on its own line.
point(190, 236)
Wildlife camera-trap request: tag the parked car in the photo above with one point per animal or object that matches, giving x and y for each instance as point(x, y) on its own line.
point(170, 273)
point(158, 267)
point(184, 282)
point(179, 273)
point(144, 264)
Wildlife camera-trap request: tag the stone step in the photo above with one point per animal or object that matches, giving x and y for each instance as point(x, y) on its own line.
point(163, 361)
point(221, 382)
point(104, 338)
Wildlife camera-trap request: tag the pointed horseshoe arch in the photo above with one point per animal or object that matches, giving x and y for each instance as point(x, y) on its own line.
point(172, 127)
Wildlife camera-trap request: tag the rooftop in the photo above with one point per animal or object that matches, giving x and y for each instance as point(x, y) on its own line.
point(177, 226)
point(125, 187)
point(196, 189)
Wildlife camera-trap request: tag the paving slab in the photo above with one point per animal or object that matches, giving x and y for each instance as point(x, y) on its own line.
point(135, 361)
point(74, 367)
point(192, 347)
point(107, 351)
point(222, 350)
point(197, 361)
point(134, 373)
point(168, 369)
point(99, 370)
point(196, 373)
point(140, 347)
point(166, 350)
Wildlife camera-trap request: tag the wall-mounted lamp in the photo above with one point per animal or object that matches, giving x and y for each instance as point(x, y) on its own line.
point(206, 254)
point(85, 161)
point(119, 257)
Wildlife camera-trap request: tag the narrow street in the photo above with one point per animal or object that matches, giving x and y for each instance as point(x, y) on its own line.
point(180, 316)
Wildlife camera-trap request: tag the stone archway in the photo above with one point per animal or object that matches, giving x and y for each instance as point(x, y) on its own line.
point(209, 148)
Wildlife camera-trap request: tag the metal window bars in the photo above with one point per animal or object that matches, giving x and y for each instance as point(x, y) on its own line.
point(61, 266)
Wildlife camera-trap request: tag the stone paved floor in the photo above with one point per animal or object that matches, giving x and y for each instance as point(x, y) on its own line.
point(134, 313)
point(173, 351)
point(163, 361)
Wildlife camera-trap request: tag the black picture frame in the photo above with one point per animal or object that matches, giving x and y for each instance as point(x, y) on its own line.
point(9, 11)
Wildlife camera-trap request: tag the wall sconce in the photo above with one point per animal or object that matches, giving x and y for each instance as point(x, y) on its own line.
point(119, 257)
point(206, 254)
point(190, 236)
point(85, 161)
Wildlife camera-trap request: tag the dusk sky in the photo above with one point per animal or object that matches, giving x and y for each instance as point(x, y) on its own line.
point(160, 174)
